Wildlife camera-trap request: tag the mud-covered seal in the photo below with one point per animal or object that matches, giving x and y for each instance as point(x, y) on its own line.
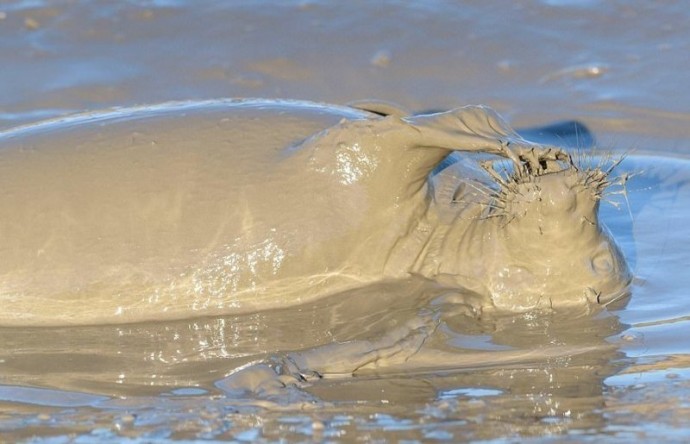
point(193, 209)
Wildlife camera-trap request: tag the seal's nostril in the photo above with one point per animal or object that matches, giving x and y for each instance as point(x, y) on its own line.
point(602, 263)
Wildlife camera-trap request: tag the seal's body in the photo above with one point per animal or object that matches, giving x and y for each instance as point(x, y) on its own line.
point(194, 209)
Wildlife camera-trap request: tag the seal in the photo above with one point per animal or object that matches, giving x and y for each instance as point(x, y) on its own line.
point(194, 209)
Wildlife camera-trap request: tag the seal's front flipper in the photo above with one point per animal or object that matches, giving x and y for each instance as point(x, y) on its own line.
point(343, 359)
point(292, 371)
point(476, 129)
point(472, 128)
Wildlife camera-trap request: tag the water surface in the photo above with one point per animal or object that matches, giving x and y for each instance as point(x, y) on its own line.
point(623, 374)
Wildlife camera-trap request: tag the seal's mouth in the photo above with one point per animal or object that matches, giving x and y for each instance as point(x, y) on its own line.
point(586, 301)
point(612, 300)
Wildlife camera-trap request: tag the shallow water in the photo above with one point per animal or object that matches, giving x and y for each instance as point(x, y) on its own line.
point(622, 374)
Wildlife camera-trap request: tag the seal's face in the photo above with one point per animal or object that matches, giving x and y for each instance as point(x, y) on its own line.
point(555, 253)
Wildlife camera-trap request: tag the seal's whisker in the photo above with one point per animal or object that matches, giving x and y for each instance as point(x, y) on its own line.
point(611, 202)
point(615, 164)
point(481, 188)
point(488, 166)
point(480, 203)
point(620, 181)
point(623, 182)
point(486, 216)
point(509, 221)
point(492, 216)
point(620, 296)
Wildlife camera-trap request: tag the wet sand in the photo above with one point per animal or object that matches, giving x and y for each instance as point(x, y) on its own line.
point(618, 67)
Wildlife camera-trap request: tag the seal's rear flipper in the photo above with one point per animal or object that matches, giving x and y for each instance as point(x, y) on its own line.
point(380, 107)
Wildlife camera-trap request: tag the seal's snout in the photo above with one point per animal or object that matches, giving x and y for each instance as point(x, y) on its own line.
point(563, 189)
point(552, 206)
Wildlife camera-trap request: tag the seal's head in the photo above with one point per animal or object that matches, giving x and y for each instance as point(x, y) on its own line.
point(553, 250)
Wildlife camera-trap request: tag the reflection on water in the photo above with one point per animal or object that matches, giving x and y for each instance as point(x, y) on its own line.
point(427, 367)
point(540, 365)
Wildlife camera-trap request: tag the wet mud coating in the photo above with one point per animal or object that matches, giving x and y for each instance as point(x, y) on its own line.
point(185, 210)
point(399, 338)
